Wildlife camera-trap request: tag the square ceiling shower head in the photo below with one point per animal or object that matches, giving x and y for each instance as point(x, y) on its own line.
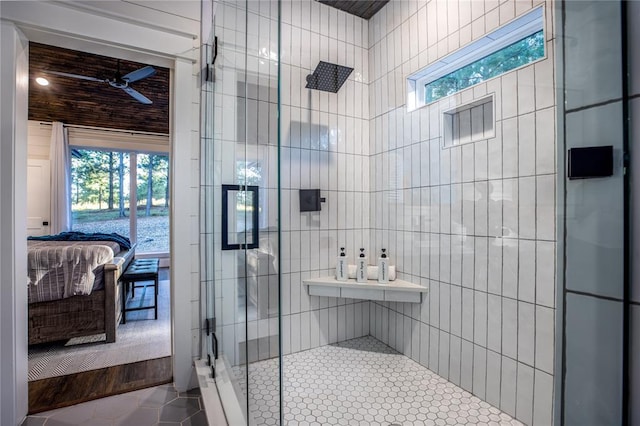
point(328, 77)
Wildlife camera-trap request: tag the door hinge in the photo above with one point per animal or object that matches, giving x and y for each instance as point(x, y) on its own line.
point(209, 325)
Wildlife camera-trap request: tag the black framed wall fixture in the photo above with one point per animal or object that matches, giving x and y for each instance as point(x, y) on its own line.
point(590, 162)
point(240, 209)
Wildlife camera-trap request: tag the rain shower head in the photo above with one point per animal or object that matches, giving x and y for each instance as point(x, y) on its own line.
point(328, 77)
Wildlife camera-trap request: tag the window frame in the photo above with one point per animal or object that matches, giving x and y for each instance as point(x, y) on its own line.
point(103, 143)
point(504, 36)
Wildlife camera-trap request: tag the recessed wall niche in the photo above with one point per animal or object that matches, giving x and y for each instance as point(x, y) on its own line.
point(471, 122)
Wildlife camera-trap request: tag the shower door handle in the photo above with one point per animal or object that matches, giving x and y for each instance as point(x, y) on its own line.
point(214, 341)
point(214, 345)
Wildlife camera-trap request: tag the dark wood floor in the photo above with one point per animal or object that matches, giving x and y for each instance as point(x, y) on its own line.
point(57, 392)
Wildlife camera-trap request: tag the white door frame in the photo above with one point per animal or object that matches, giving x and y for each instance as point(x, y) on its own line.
point(106, 34)
point(14, 74)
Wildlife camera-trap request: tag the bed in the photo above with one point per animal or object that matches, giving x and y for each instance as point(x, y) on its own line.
point(73, 288)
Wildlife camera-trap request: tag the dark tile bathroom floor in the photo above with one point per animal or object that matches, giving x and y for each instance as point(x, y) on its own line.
point(160, 405)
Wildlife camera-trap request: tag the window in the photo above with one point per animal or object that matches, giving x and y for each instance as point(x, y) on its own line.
point(509, 58)
point(511, 46)
point(103, 191)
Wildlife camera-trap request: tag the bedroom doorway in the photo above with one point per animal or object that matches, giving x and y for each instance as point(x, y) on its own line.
point(119, 182)
point(164, 37)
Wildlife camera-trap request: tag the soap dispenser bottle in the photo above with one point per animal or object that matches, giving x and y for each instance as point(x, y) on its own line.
point(342, 268)
point(361, 267)
point(383, 267)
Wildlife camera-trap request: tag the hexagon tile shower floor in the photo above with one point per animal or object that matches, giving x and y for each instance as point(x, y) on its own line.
point(361, 381)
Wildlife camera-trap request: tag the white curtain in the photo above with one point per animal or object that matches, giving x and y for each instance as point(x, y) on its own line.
point(60, 157)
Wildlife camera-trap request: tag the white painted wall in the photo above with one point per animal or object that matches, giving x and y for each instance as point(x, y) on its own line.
point(39, 140)
point(159, 33)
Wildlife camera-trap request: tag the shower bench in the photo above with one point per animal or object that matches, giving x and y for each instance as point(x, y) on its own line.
point(393, 291)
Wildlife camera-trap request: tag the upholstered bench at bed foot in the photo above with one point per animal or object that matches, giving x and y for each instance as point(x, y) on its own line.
point(139, 270)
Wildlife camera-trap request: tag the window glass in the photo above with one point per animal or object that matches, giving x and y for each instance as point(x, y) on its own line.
point(153, 203)
point(509, 58)
point(513, 45)
point(100, 191)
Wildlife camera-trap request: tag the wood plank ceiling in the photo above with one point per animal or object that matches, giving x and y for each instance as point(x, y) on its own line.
point(362, 8)
point(94, 103)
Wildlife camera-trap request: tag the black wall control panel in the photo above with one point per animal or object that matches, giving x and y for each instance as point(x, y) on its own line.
point(310, 200)
point(590, 162)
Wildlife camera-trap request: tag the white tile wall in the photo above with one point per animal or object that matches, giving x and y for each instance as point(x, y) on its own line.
point(483, 213)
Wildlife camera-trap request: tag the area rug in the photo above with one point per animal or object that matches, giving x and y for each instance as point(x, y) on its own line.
point(141, 338)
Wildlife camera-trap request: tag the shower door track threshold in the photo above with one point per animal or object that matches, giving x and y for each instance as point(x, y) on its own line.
point(393, 291)
point(222, 387)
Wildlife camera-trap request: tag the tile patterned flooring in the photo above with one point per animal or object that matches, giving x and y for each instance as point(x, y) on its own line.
point(361, 382)
point(357, 382)
point(160, 405)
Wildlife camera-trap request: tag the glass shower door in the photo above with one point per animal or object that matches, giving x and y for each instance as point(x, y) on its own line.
point(241, 209)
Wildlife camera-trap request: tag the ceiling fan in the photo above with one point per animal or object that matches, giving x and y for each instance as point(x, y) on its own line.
point(119, 81)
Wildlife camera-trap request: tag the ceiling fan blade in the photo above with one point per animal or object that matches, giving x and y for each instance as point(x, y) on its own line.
point(82, 77)
point(137, 95)
point(139, 74)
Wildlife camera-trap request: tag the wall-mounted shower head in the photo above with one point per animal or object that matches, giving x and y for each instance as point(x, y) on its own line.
point(328, 77)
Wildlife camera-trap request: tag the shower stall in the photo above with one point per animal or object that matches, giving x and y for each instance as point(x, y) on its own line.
point(311, 142)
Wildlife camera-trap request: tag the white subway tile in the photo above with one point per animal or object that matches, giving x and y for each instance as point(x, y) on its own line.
point(492, 395)
point(443, 362)
point(481, 208)
point(526, 144)
point(445, 307)
point(495, 199)
point(494, 323)
point(544, 79)
point(467, 314)
point(510, 209)
point(509, 94)
point(415, 340)
point(424, 344)
point(524, 389)
point(509, 327)
point(545, 273)
point(545, 207)
point(479, 371)
point(526, 90)
point(527, 271)
point(480, 318)
point(481, 160)
point(466, 366)
point(526, 333)
point(510, 147)
point(455, 351)
point(510, 268)
point(545, 141)
point(544, 339)
point(543, 399)
point(527, 207)
point(434, 348)
point(508, 386)
point(495, 157)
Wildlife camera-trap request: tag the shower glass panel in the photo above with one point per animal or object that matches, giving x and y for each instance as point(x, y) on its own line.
point(243, 153)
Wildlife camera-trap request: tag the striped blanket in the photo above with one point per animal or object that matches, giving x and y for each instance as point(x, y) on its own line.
point(61, 269)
